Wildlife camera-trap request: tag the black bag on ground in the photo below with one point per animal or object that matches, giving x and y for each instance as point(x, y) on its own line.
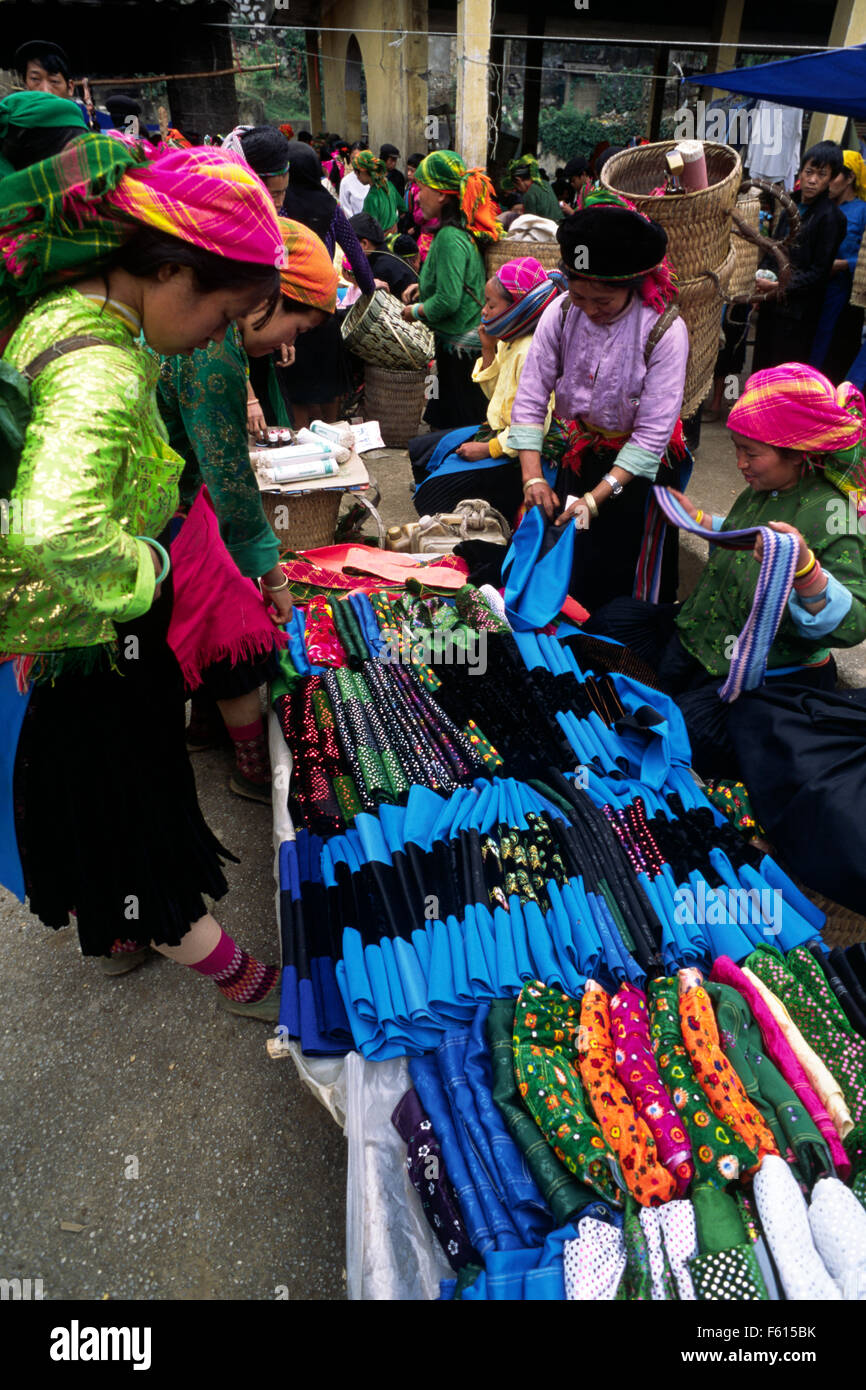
point(803, 756)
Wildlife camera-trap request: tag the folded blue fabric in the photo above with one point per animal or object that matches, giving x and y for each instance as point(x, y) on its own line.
point(13, 707)
point(536, 581)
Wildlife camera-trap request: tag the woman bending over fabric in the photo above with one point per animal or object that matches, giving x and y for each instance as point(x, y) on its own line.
point(102, 808)
point(450, 465)
point(799, 443)
point(313, 384)
point(614, 352)
point(383, 200)
point(221, 632)
point(450, 295)
point(266, 151)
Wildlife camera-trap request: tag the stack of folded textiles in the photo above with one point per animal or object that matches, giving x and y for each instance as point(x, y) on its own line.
point(631, 1053)
point(642, 1145)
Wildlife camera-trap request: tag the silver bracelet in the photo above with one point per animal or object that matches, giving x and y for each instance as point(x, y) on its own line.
point(276, 588)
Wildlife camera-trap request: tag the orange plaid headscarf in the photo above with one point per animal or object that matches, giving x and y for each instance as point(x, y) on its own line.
point(308, 275)
point(795, 407)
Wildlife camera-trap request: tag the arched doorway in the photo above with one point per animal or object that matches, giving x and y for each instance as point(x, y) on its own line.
point(356, 92)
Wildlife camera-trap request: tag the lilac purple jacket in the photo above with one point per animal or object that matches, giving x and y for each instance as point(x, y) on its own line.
point(599, 375)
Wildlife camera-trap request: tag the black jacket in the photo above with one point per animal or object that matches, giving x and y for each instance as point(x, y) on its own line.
point(822, 228)
point(392, 269)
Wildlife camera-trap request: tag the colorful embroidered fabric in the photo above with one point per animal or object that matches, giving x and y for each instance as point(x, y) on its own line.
point(719, 1154)
point(322, 644)
point(843, 1054)
point(713, 1071)
point(429, 1177)
point(636, 1069)
point(732, 799)
point(545, 1064)
point(626, 1132)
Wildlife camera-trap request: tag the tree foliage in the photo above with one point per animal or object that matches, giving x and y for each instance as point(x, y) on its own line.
point(283, 94)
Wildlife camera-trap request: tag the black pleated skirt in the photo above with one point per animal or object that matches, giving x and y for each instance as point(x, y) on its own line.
point(106, 813)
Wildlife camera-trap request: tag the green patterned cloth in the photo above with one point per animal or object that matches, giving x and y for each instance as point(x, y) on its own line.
point(203, 401)
point(564, 1194)
point(636, 1285)
point(546, 1067)
point(809, 1000)
point(786, 1116)
point(730, 1276)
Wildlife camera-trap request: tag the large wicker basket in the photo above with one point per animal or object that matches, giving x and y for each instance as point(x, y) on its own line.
point(375, 329)
point(746, 254)
point(700, 302)
point(512, 248)
point(858, 291)
point(305, 520)
point(396, 400)
point(698, 227)
point(698, 224)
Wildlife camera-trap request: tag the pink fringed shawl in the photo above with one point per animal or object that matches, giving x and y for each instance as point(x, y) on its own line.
point(217, 613)
point(725, 972)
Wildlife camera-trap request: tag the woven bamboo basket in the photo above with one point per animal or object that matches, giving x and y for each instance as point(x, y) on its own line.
point(698, 227)
point(698, 224)
point(375, 330)
point(858, 291)
point(512, 248)
point(746, 255)
point(700, 304)
point(396, 400)
point(302, 521)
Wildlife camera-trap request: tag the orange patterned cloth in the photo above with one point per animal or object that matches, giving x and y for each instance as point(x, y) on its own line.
point(308, 275)
point(626, 1132)
point(717, 1078)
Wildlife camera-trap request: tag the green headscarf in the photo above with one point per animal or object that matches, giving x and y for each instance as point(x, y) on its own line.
point(36, 111)
point(37, 253)
point(445, 171)
point(368, 162)
point(526, 162)
point(383, 204)
point(32, 109)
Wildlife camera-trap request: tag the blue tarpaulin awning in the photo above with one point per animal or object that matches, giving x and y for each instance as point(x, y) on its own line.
point(833, 83)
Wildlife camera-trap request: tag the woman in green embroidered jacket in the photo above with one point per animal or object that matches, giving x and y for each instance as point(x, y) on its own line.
point(449, 297)
point(102, 804)
point(222, 635)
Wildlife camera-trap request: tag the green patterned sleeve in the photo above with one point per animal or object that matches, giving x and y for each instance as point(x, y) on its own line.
point(81, 412)
point(203, 397)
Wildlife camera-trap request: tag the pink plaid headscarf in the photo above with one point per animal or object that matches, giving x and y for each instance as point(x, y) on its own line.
point(208, 198)
point(795, 407)
point(518, 277)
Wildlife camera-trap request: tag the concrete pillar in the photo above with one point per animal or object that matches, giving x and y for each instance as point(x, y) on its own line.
point(314, 80)
point(473, 50)
point(532, 83)
point(848, 28)
point(396, 91)
point(727, 23)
